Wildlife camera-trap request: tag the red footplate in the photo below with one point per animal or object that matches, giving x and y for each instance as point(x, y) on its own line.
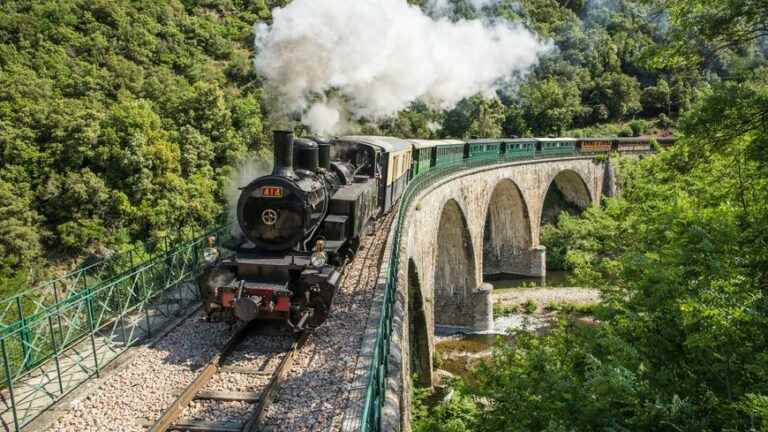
point(283, 304)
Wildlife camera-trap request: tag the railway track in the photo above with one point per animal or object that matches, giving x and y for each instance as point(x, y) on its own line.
point(323, 379)
point(232, 392)
point(332, 354)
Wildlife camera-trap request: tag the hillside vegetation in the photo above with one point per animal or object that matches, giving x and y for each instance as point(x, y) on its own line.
point(681, 259)
point(121, 122)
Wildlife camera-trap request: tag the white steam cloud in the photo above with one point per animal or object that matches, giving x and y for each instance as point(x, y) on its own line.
point(335, 59)
point(250, 168)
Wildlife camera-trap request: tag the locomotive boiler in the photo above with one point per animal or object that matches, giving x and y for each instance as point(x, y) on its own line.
point(297, 226)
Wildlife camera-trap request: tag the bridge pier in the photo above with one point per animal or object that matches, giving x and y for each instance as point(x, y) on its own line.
point(473, 312)
point(483, 308)
point(511, 260)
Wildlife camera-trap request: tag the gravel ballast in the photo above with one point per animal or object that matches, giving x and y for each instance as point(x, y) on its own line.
point(139, 391)
point(313, 395)
point(316, 390)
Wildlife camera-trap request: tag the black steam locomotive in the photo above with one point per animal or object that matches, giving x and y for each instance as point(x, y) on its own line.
point(300, 224)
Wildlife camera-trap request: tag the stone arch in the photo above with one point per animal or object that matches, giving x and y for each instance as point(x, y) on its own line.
point(454, 268)
point(567, 191)
point(508, 231)
point(418, 335)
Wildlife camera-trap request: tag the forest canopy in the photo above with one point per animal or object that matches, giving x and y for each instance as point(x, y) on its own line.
point(121, 122)
point(681, 261)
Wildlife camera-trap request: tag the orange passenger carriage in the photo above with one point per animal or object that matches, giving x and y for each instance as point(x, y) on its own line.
point(594, 145)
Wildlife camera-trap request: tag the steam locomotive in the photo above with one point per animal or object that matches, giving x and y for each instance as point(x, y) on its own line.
point(301, 223)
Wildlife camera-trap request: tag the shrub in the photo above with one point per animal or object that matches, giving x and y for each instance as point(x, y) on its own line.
point(529, 307)
point(638, 127)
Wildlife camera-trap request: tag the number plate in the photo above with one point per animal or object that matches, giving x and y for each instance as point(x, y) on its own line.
point(272, 192)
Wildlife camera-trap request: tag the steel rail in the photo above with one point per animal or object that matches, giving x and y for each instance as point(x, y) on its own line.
point(173, 413)
point(177, 407)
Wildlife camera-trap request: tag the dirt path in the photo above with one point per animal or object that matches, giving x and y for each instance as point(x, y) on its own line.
point(544, 296)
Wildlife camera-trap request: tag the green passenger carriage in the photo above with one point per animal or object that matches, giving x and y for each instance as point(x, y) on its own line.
point(422, 156)
point(555, 146)
point(484, 149)
point(519, 148)
point(448, 152)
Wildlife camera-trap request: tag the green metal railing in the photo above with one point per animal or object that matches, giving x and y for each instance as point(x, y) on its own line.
point(375, 392)
point(54, 338)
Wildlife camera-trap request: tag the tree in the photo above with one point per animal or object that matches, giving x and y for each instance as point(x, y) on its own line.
point(618, 93)
point(549, 106)
point(20, 233)
point(657, 99)
point(117, 120)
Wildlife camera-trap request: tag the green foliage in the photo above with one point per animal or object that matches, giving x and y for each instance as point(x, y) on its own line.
point(475, 117)
point(458, 414)
point(664, 122)
point(116, 119)
point(657, 100)
point(20, 231)
point(572, 308)
point(638, 127)
point(550, 105)
point(529, 307)
point(616, 96)
point(500, 310)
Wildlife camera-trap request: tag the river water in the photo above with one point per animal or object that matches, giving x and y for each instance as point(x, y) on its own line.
point(461, 352)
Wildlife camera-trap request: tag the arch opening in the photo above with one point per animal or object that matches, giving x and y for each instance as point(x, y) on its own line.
point(418, 336)
point(507, 234)
point(566, 193)
point(454, 269)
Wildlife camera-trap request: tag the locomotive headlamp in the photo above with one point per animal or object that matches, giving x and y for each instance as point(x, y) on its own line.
point(211, 253)
point(318, 259)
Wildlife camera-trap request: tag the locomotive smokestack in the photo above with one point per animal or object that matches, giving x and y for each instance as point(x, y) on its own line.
point(283, 141)
point(324, 155)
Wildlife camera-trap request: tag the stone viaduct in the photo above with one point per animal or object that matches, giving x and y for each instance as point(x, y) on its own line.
point(472, 223)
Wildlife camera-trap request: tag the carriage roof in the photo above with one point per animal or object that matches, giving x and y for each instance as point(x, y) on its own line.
point(564, 139)
point(418, 143)
point(486, 140)
point(387, 144)
point(593, 139)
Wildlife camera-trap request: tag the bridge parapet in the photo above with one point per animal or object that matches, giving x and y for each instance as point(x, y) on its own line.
point(450, 209)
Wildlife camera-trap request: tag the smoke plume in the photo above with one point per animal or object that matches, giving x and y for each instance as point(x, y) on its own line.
point(250, 168)
point(330, 60)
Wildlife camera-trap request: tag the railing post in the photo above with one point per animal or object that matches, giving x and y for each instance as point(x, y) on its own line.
point(55, 354)
point(145, 301)
point(58, 314)
point(9, 383)
point(92, 325)
point(24, 336)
